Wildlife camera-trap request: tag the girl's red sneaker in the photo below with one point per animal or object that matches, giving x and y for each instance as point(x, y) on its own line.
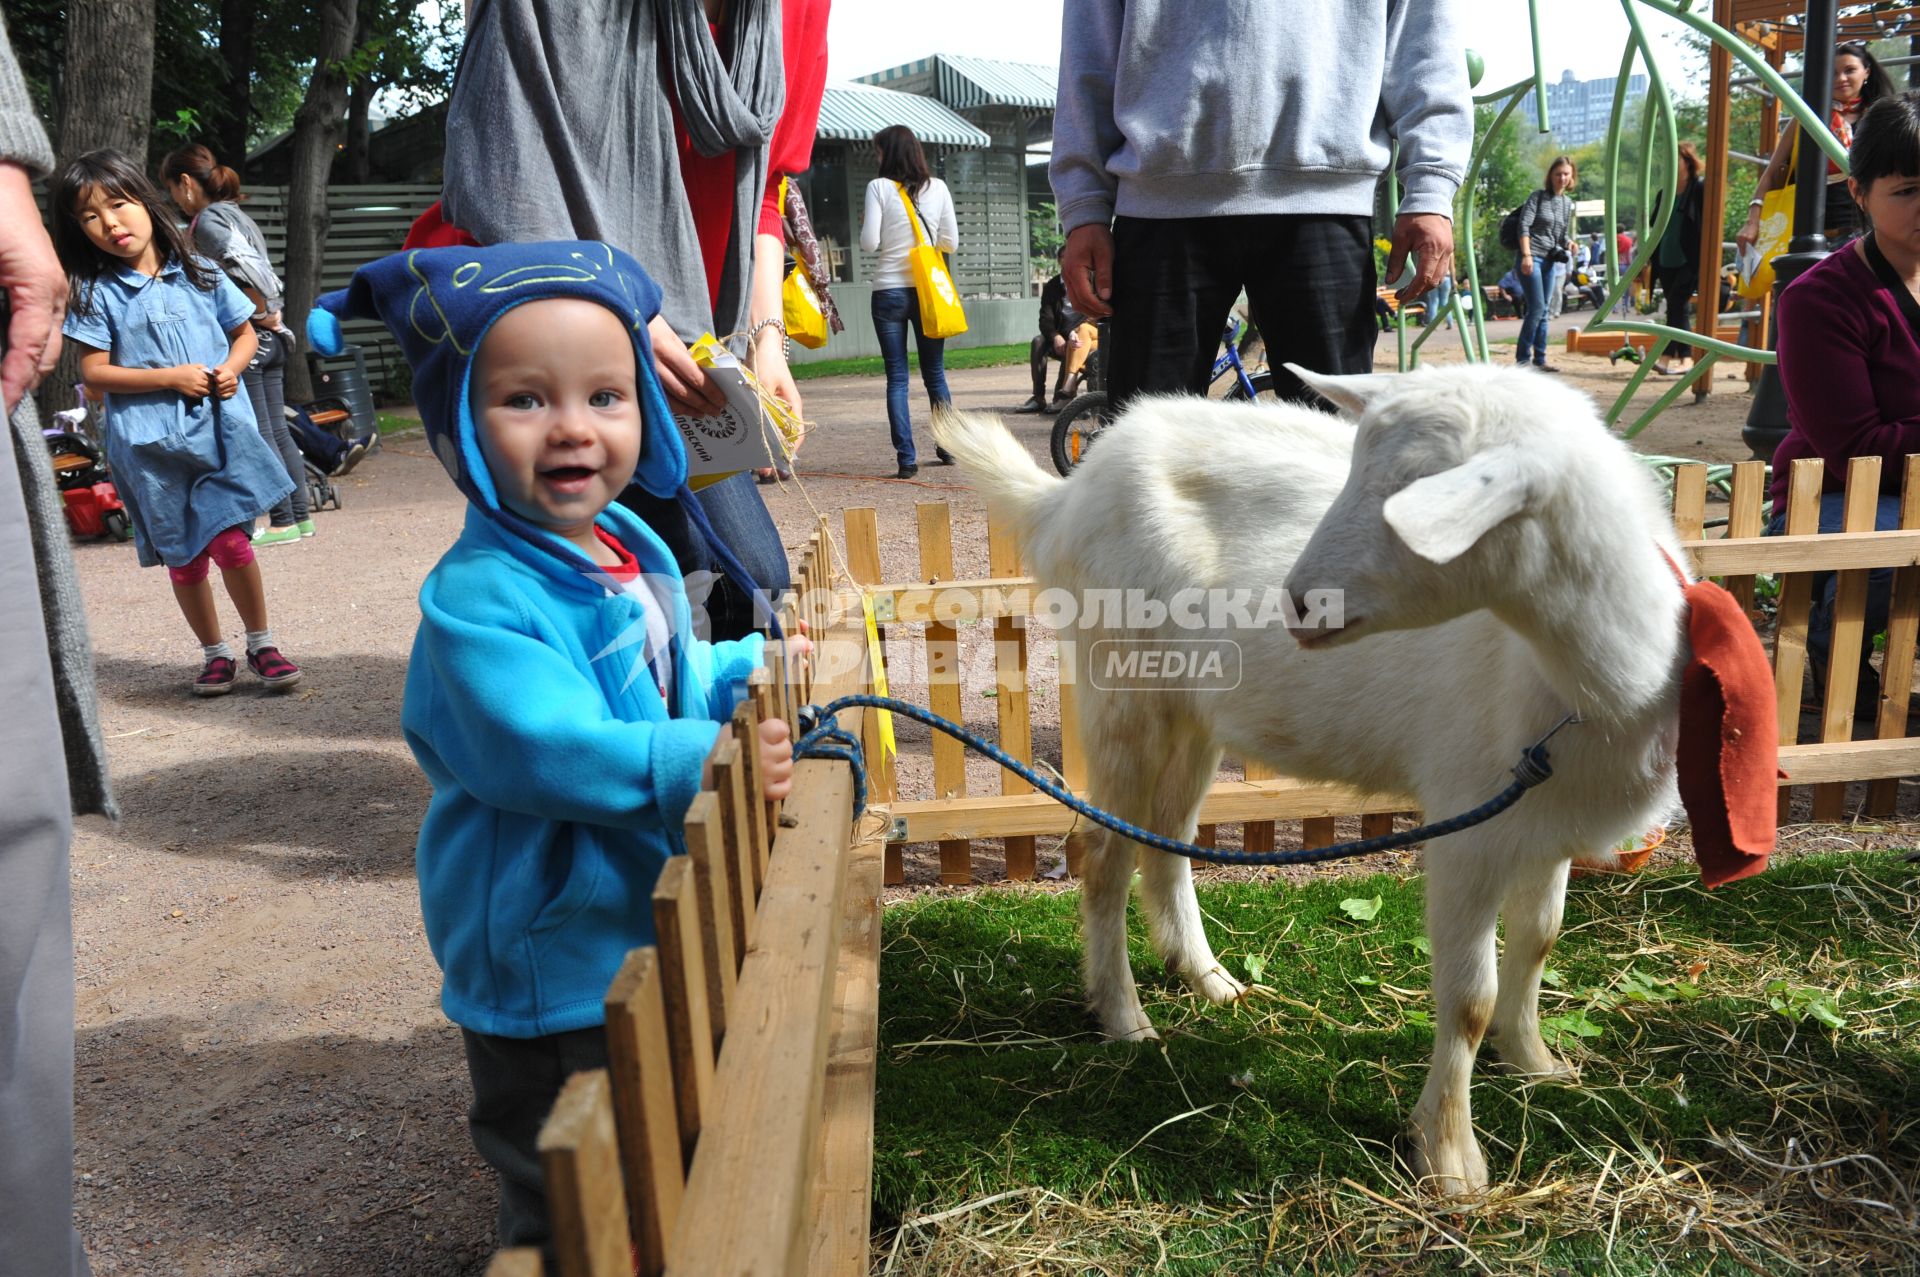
point(274, 669)
point(216, 678)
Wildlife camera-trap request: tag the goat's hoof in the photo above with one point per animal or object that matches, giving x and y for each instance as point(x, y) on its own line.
point(1129, 1026)
point(1448, 1169)
point(1536, 1064)
point(1215, 985)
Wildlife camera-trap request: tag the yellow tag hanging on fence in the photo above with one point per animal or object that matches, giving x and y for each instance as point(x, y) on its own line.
point(941, 314)
point(877, 664)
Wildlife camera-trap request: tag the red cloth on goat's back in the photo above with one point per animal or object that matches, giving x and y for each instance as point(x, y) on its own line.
point(1729, 753)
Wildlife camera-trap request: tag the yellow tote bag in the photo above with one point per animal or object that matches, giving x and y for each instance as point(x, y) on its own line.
point(940, 311)
point(1776, 234)
point(800, 309)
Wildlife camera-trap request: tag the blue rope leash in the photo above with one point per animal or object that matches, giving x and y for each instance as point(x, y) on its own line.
point(821, 737)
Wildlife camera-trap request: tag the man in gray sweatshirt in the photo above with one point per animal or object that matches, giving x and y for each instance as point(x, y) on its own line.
point(1202, 149)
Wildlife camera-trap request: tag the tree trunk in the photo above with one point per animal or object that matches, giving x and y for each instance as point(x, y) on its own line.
point(106, 100)
point(106, 90)
point(236, 50)
point(316, 133)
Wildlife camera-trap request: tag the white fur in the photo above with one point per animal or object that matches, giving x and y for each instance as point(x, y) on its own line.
point(1499, 553)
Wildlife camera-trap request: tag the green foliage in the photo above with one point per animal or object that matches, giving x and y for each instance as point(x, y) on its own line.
point(1044, 238)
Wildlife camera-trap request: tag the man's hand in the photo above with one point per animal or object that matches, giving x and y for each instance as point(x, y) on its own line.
point(1087, 270)
point(689, 390)
point(1429, 237)
point(36, 290)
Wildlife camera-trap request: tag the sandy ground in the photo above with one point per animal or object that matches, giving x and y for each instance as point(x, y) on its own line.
point(265, 1082)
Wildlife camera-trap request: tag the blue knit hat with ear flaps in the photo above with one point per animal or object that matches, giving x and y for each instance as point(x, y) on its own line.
point(439, 304)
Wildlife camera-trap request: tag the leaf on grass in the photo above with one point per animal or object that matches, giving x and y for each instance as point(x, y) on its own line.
point(1255, 965)
point(1797, 1003)
point(1574, 1024)
point(1553, 978)
point(1421, 944)
point(1362, 979)
point(1361, 910)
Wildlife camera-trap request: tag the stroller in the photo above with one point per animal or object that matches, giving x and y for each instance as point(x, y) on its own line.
point(319, 429)
point(87, 494)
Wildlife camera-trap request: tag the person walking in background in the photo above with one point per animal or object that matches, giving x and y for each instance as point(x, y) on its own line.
point(1546, 231)
point(1181, 179)
point(1858, 82)
point(905, 204)
point(209, 195)
point(1678, 260)
point(55, 764)
point(165, 336)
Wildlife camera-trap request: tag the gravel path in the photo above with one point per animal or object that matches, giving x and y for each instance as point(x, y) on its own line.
point(265, 1082)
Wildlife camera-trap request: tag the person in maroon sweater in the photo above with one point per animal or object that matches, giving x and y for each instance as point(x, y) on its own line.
point(1849, 346)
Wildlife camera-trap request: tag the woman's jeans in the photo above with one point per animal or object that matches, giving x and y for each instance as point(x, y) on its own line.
point(266, 379)
point(1886, 517)
point(1533, 326)
point(893, 310)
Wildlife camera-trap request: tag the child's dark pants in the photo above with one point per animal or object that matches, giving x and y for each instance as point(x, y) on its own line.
point(515, 1082)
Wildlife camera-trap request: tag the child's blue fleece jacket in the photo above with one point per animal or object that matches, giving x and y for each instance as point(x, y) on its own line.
point(561, 777)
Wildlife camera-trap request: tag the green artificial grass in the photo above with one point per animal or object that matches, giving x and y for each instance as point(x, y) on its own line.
point(1777, 1012)
point(873, 365)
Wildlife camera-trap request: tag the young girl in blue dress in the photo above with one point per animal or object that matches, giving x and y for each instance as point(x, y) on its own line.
point(165, 336)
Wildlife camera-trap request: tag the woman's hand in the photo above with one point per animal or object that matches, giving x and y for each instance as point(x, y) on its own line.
point(689, 390)
point(771, 369)
point(1526, 265)
point(1749, 233)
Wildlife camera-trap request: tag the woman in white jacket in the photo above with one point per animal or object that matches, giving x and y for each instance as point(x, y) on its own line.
point(886, 229)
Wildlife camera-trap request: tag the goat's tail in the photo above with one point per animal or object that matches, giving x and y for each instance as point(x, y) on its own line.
point(1018, 491)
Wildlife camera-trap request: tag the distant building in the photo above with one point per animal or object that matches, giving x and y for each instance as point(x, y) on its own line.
point(1578, 111)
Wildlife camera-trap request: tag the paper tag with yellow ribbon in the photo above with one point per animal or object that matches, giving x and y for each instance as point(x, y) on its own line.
point(746, 397)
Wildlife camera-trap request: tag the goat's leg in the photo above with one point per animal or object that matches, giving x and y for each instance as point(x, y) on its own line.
point(1535, 901)
point(1166, 881)
point(1111, 992)
point(1463, 899)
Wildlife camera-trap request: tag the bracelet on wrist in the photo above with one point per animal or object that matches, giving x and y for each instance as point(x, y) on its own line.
point(786, 343)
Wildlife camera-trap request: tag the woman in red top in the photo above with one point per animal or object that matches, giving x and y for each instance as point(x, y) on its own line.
point(1858, 82)
point(1850, 358)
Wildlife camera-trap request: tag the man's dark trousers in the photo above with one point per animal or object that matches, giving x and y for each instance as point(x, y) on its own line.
point(1310, 278)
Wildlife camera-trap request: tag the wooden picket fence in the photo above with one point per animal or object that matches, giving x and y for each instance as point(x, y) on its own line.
point(938, 603)
point(733, 1131)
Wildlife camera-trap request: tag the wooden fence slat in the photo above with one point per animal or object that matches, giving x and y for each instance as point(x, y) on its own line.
point(843, 1205)
point(688, 1031)
point(522, 1262)
point(736, 833)
point(1227, 802)
point(1010, 683)
point(1690, 501)
point(1376, 824)
point(581, 1159)
point(1743, 520)
point(943, 686)
point(746, 729)
point(640, 1062)
point(1903, 628)
point(755, 1173)
point(863, 564)
point(1795, 601)
point(1849, 637)
point(1318, 831)
point(713, 910)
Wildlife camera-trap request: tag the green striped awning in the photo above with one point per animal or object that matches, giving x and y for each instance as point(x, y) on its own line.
point(855, 112)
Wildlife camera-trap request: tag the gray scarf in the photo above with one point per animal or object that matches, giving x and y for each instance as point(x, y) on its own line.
point(560, 126)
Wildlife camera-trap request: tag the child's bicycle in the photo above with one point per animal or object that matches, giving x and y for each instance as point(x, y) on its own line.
point(1081, 420)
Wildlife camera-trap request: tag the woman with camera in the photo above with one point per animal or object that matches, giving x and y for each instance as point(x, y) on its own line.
point(1546, 239)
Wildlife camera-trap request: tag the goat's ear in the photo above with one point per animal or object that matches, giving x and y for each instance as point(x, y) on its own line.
point(1350, 394)
point(1441, 516)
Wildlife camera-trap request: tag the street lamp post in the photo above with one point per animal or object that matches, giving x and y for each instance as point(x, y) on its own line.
point(1767, 416)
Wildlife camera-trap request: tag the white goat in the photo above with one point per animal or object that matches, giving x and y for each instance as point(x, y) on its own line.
point(1500, 558)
